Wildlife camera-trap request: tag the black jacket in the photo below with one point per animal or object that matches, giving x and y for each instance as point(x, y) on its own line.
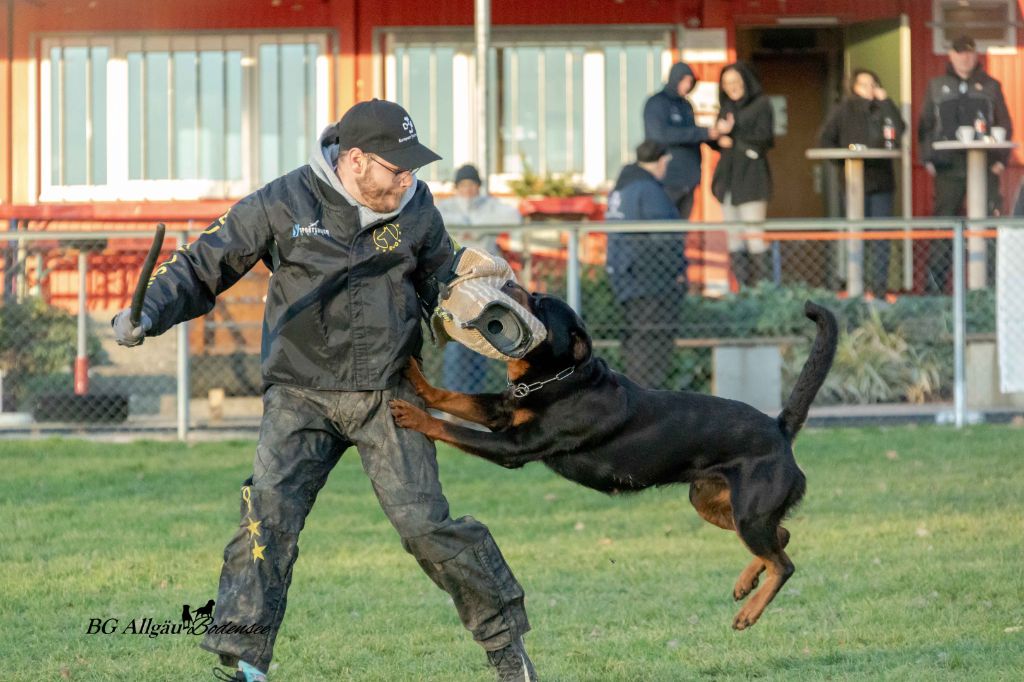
point(643, 264)
point(951, 102)
point(669, 119)
point(860, 121)
point(344, 303)
point(743, 168)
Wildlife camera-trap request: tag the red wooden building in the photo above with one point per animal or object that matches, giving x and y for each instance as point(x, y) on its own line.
point(121, 108)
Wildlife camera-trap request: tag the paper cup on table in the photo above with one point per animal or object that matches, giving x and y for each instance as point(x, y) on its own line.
point(965, 133)
point(999, 134)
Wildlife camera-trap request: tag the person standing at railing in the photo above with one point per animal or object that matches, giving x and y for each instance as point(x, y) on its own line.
point(869, 118)
point(647, 270)
point(742, 182)
point(359, 252)
point(963, 96)
point(465, 370)
point(669, 120)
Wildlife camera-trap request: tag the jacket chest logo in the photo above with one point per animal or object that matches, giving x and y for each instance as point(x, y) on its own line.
point(676, 116)
point(387, 237)
point(314, 229)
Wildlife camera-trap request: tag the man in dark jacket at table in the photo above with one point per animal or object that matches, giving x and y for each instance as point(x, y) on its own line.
point(963, 96)
point(669, 119)
point(647, 270)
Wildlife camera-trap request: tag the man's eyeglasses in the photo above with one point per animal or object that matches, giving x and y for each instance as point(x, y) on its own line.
point(399, 173)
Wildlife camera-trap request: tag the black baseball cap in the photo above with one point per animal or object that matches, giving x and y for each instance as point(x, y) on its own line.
point(468, 172)
point(385, 129)
point(964, 43)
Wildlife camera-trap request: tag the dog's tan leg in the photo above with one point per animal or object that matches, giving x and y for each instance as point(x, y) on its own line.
point(778, 569)
point(482, 409)
point(710, 497)
point(747, 581)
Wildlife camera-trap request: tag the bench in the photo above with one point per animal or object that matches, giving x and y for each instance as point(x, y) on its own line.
point(747, 369)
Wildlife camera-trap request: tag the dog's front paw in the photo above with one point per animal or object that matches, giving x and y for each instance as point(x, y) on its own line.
point(419, 382)
point(408, 416)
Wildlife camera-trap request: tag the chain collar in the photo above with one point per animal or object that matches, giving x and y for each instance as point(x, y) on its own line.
point(523, 390)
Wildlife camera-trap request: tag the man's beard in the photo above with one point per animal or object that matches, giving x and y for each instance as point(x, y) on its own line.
point(379, 199)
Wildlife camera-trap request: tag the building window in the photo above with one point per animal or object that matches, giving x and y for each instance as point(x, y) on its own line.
point(178, 118)
point(562, 104)
point(992, 23)
point(541, 112)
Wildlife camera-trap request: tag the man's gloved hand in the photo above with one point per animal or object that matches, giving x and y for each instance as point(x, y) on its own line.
point(125, 333)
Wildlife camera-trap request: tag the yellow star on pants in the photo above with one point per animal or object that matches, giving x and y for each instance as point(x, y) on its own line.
point(253, 527)
point(257, 551)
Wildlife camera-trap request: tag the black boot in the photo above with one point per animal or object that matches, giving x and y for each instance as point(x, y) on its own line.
point(760, 267)
point(512, 664)
point(740, 262)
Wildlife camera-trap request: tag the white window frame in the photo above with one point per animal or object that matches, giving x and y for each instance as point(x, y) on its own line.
point(118, 186)
point(593, 39)
point(1006, 46)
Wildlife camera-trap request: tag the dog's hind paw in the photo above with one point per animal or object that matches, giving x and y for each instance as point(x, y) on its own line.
point(743, 587)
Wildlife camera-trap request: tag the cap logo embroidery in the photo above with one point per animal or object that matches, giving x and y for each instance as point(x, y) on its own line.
point(408, 127)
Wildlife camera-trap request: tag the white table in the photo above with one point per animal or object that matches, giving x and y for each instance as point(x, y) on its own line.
point(977, 199)
point(853, 164)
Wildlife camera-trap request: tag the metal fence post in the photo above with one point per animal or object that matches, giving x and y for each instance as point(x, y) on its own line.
point(82, 355)
point(183, 363)
point(572, 271)
point(959, 328)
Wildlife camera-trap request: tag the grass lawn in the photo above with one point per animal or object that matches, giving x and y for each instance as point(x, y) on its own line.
point(909, 550)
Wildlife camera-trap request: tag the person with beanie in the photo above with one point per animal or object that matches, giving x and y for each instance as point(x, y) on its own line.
point(669, 120)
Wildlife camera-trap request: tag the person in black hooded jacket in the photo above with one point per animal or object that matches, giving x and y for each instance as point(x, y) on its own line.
point(862, 118)
point(669, 120)
point(646, 270)
point(742, 180)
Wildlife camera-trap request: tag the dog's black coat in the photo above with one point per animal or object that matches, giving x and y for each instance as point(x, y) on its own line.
point(600, 429)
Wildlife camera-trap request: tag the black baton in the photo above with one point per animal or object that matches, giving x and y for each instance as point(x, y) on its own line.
point(135, 316)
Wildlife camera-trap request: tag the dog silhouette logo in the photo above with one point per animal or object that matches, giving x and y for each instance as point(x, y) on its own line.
point(204, 610)
point(186, 617)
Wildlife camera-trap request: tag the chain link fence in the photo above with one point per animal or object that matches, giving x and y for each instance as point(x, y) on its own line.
point(731, 324)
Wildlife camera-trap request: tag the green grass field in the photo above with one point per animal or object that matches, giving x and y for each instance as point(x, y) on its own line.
point(908, 548)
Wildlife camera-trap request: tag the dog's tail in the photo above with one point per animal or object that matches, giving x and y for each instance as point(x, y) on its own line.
point(812, 376)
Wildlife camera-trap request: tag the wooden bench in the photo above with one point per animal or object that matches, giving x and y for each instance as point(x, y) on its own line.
point(747, 369)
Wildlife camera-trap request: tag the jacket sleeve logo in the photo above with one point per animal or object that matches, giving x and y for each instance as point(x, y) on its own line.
point(387, 237)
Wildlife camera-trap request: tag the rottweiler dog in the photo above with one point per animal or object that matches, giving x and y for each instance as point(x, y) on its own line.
point(567, 408)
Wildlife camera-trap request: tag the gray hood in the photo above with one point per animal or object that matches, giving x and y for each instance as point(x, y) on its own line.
point(323, 160)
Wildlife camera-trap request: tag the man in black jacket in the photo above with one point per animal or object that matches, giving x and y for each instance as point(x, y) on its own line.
point(669, 119)
point(358, 250)
point(647, 270)
point(963, 96)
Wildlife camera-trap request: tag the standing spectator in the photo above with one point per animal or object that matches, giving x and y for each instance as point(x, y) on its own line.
point(669, 120)
point(742, 180)
point(463, 369)
point(647, 270)
point(358, 250)
point(870, 118)
point(964, 96)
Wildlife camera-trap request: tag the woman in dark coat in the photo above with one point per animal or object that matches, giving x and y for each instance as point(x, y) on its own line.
point(868, 117)
point(742, 182)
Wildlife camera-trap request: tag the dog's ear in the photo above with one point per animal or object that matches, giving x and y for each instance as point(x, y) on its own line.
point(581, 346)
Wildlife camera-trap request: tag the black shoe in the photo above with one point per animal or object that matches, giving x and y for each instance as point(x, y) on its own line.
point(512, 663)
